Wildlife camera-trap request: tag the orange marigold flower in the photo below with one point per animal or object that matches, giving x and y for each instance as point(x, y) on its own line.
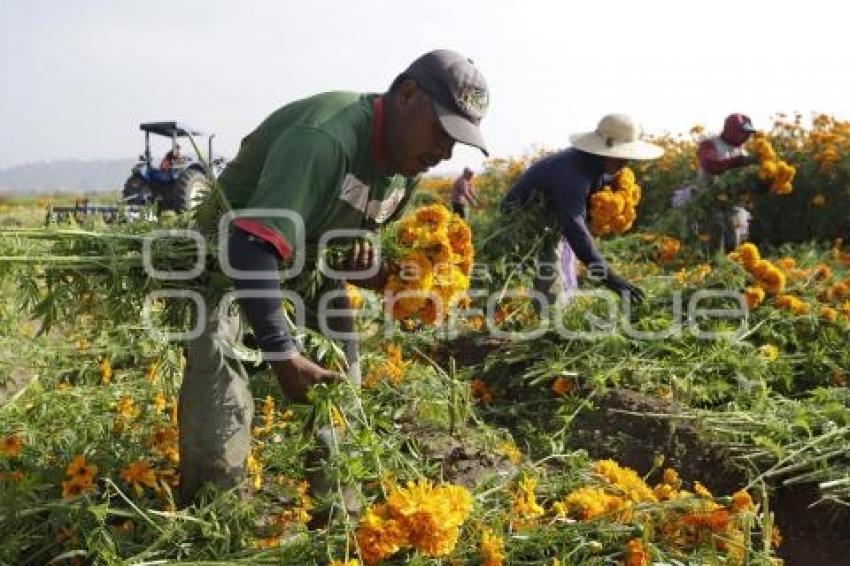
point(636, 553)
point(563, 385)
point(741, 501)
point(80, 470)
point(138, 475)
point(716, 520)
point(11, 446)
point(754, 296)
point(481, 392)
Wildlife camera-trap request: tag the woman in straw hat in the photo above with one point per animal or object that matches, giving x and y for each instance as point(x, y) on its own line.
point(567, 179)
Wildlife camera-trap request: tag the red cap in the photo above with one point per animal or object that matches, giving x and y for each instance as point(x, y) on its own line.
point(737, 128)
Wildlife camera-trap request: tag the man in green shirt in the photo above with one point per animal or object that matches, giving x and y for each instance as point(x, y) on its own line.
point(334, 161)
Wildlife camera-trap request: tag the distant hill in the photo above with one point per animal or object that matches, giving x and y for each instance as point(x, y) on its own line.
point(66, 175)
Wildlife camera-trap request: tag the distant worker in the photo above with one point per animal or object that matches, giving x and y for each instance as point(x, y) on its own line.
point(728, 225)
point(567, 179)
point(463, 193)
point(174, 156)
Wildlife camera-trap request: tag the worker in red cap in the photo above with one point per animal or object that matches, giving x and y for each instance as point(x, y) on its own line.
point(727, 226)
point(721, 153)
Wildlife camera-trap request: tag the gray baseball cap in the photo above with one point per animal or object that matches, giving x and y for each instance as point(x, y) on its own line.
point(459, 93)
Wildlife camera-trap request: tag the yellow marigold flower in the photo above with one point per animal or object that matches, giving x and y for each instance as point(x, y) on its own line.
point(762, 147)
point(106, 371)
point(702, 491)
point(420, 515)
point(355, 297)
point(587, 503)
point(525, 506)
point(393, 370)
point(378, 535)
point(11, 446)
point(126, 408)
point(351, 562)
point(793, 304)
point(771, 279)
point(671, 477)
point(255, 469)
point(510, 450)
point(636, 554)
point(159, 402)
point(748, 254)
point(786, 263)
point(435, 214)
point(492, 549)
point(138, 475)
point(612, 209)
point(626, 479)
point(767, 170)
point(663, 492)
point(754, 296)
point(829, 313)
point(152, 372)
point(769, 352)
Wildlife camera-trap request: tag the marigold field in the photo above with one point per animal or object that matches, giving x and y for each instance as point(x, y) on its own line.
point(666, 436)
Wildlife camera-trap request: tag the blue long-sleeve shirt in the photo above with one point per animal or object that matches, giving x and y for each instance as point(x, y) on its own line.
point(566, 178)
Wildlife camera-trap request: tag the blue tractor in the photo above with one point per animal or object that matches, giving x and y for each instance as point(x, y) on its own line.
point(178, 180)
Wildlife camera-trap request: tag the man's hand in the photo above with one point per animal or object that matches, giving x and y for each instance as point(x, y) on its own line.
point(362, 258)
point(621, 286)
point(298, 375)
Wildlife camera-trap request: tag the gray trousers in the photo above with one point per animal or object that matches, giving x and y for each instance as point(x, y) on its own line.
point(216, 407)
point(556, 275)
point(723, 231)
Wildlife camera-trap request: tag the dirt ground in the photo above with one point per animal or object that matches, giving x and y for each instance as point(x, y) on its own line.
point(620, 428)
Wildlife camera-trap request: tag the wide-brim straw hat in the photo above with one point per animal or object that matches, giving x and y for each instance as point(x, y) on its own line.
point(618, 136)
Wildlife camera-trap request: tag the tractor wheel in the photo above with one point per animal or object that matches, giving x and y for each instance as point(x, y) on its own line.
point(136, 190)
point(185, 191)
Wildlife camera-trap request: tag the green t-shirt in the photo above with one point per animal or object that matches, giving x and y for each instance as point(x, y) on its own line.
point(315, 157)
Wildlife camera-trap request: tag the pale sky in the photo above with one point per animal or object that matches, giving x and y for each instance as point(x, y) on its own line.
point(79, 76)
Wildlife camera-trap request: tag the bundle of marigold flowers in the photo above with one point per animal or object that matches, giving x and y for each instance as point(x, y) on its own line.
point(769, 277)
point(421, 516)
point(772, 169)
point(612, 209)
point(431, 265)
